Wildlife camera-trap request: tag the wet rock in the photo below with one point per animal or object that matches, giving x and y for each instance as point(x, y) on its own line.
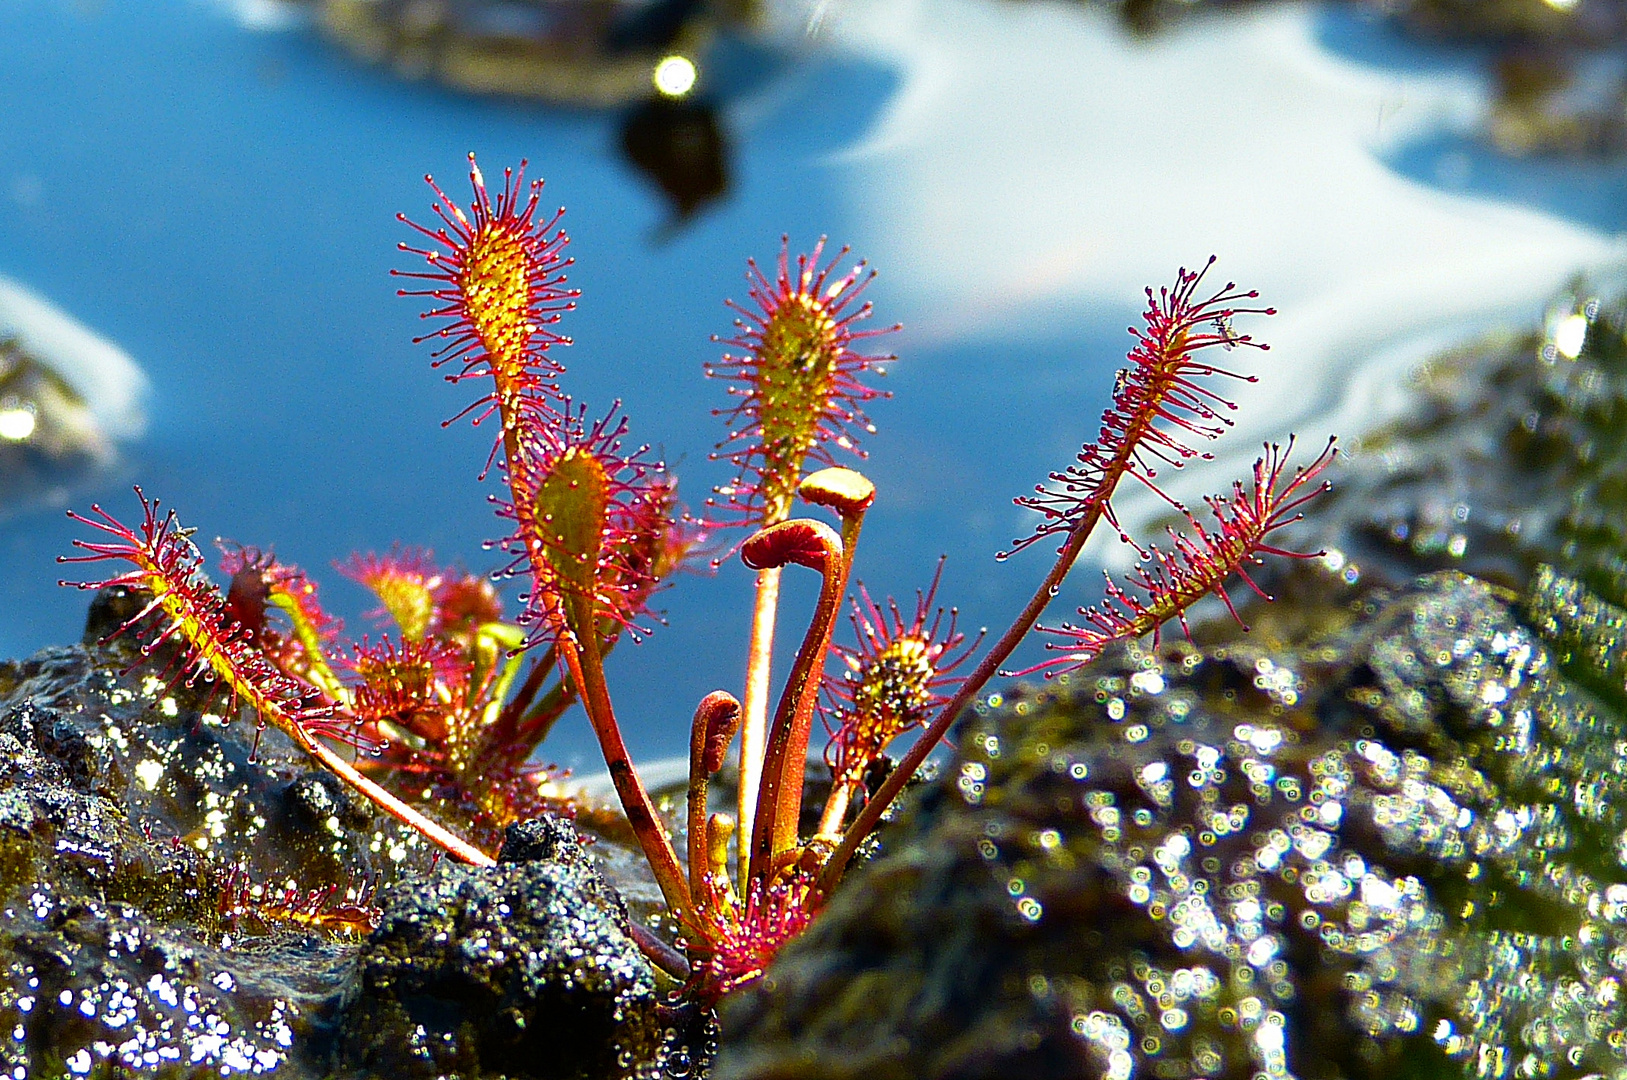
point(597, 54)
point(525, 969)
point(120, 814)
point(182, 896)
point(545, 839)
point(48, 433)
point(1395, 852)
point(1515, 455)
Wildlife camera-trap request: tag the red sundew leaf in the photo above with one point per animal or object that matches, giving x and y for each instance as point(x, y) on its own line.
point(583, 510)
point(797, 380)
point(465, 602)
point(422, 597)
point(1197, 564)
point(1159, 407)
point(894, 680)
point(214, 649)
point(500, 274)
point(404, 580)
point(259, 581)
point(659, 539)
point(334, 908)
point(416, 684)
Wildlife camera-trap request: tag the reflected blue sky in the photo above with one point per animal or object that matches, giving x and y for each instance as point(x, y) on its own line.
point(1591, 193)
point(220, 203)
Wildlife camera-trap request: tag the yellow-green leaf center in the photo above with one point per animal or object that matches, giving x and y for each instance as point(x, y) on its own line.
point(497, 293)
point(571, 511)
point(798, 365)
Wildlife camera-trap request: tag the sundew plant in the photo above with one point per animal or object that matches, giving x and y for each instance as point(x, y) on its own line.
point(450, 707)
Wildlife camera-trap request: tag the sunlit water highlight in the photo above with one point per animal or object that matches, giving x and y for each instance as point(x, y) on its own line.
point(213, 188)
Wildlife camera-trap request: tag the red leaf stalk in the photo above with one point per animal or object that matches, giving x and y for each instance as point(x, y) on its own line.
point(572, 490)
point(717, 718)
point(1197, 563)
point(1158, 408)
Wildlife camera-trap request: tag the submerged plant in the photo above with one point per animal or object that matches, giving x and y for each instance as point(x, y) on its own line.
point(446, 708)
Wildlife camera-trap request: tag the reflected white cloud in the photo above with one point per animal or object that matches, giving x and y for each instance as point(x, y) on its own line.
point(114, 387)
point(1038, 166)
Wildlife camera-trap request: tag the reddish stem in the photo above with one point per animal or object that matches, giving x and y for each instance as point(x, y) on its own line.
point(870, 815)
point(459, 848)
point(658, 952)
point(586, 667)
point(779, 800)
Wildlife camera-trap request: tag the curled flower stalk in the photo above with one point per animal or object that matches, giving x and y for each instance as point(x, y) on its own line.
point(773, 835)
point(796, 376)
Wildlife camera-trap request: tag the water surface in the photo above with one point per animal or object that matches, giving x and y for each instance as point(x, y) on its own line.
point(216, 195)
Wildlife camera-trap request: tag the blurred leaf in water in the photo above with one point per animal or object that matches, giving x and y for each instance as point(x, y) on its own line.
point(47, 430)
point(596, 55)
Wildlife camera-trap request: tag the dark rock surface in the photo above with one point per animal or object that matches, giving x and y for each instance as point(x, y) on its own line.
point(132, 821)
point(1395, 852)
point(521, 970)
point(1384, 835)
